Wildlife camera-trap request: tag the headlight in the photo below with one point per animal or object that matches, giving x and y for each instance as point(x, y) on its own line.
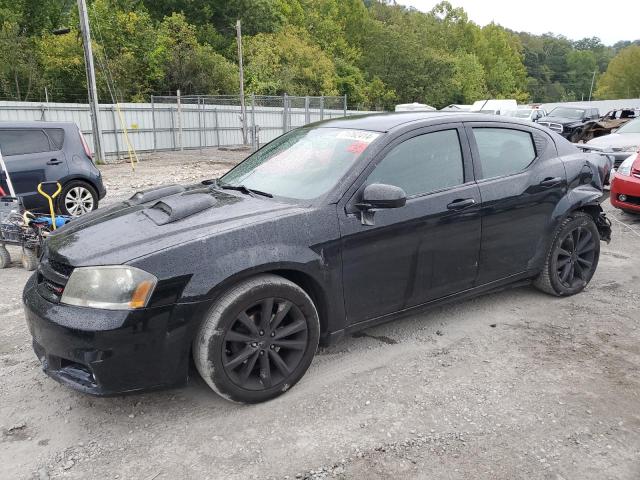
point(625, 167)
point(111, 288)
point(630, 148)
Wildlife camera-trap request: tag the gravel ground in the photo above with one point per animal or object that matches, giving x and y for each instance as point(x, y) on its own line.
point(511, 385)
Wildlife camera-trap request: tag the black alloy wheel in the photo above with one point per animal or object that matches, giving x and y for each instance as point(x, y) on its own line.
point(257, 340)
point(575, 257)
point(264, 344)
point(572, 258)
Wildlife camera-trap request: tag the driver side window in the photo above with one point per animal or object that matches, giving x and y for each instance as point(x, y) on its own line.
point(422, 164)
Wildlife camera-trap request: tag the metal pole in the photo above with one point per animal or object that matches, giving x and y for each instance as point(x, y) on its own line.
point(322, 107)
point(173, 128)
point(253, 122)
point(215, 116)
point(307, 114)
point(115, 131)
point(153, 124)
point(345, 105)
point(243, 107)
point(180, 121)
point(593, 79)
point(204, 120)
point(91, 81)
point(199, 125)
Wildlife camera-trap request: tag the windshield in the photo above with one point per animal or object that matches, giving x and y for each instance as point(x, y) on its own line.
point(302, 164)
point(522, 113)
point(632, 127)
point(564, 112)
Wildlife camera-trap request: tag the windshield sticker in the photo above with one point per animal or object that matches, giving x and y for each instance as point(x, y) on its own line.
point(358, 135)
point(357, 147)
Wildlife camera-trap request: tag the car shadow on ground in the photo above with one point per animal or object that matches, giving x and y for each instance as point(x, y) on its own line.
point(429, 327)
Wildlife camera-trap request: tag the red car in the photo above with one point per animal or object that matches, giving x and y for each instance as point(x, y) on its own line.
point(625, 185)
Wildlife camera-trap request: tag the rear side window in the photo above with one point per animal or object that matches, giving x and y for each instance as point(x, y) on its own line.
point(20, 142)
point(422, 164)
point(56, 135)
point(503, 151)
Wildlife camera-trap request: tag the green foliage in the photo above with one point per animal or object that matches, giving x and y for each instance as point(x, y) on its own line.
point(622, 78)
point(376, 52)
point(287, 62)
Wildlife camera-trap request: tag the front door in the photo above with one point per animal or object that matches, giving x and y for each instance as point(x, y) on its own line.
point(425, 250)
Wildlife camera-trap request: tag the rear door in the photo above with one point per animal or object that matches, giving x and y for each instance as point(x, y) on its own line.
point(521, 180)
point(32, 156)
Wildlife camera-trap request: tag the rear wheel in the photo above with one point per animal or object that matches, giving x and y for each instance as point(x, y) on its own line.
point(258, 339)
point(77, 198)
point(572, 258)
point(29, 259)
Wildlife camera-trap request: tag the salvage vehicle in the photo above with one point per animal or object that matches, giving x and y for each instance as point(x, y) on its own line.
point(625, 185)
point(328, 229)
point(568, 121)
point(37, 152)
point(622, 143)
point(608, 123)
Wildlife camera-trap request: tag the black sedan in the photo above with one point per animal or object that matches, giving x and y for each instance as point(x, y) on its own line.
point(328, 229)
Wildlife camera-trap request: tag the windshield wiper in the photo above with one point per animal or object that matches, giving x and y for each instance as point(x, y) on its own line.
point(243, 189)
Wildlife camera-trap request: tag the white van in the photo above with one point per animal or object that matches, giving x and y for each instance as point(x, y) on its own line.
point(494, 106)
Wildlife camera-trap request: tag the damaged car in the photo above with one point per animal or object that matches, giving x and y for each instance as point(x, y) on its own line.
point(329, 229)
point(621, 144)
point(569, 121)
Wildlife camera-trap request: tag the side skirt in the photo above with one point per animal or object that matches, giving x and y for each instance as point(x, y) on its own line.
point(513, 281)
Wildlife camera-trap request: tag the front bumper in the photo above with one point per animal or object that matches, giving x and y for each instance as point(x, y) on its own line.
point(625, 185)
point(106, 352)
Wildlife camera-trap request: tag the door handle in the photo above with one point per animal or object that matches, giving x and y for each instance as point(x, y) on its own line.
point(54, 161)
point(551, 182)
point(461, 204)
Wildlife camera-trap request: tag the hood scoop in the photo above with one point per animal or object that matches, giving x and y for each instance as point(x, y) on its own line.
point(177, 207)
point(152, 194)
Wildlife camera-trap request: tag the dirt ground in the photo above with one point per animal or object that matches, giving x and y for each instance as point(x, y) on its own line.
point(514, 385)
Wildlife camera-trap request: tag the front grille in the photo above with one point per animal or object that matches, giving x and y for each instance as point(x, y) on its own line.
point(556, 127)
point(61, 268)
point(52, 278)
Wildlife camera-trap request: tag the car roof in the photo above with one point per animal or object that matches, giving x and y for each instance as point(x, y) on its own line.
point(384, 122)
point(35, 124)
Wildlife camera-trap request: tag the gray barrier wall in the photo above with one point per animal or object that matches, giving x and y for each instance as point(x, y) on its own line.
point(191, 123)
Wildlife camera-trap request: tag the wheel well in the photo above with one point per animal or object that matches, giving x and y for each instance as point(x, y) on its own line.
point(592, 210)
point(312, 288)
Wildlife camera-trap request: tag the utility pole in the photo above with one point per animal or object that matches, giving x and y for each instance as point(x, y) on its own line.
point(91, 81)
point(593, 79)
point(243, 107)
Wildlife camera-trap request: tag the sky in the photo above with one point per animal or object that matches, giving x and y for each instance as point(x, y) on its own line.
point(610, 20)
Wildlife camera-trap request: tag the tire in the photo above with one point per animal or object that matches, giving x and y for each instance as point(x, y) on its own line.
point(29, 259)
point(567, 269)
point(5, 257)
point(77, 198)
point(246, 358)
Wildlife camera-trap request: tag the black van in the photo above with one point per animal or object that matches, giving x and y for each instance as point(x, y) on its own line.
point(36, 152)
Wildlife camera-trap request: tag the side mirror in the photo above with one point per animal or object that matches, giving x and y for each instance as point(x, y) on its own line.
point(379, 196)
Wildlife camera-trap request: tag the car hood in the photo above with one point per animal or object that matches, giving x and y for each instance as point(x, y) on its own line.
point(155, 220)
point(560, 120)
point(616, 140)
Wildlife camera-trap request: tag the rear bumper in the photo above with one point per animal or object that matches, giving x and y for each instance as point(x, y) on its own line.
point(104, 352)
point(628, 186)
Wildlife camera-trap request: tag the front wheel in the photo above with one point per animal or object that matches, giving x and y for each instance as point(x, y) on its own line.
point(258, 339)
point(572, 258)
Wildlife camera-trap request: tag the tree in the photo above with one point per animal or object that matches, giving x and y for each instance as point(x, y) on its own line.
point(622, 78)
point(581, 66)
point(180, 62)
point(287, 62)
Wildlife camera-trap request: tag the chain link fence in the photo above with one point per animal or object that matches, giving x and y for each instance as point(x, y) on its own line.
point(187, 122)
